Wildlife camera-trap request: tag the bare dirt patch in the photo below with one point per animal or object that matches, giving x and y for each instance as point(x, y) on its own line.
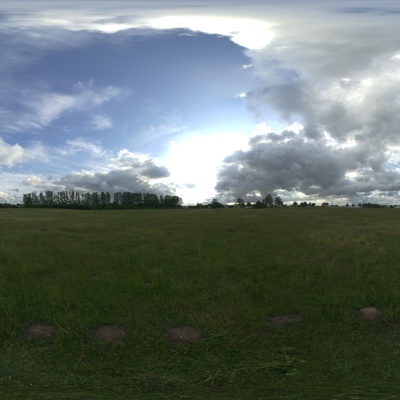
point(109, 334)
point(183, 334)
point(41, 331)
point(280, 320)
point(368, 314)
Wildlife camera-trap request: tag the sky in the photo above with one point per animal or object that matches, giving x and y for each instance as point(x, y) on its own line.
point(202, 99)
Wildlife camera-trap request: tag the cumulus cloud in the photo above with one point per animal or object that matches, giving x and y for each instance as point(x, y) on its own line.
point(152, 171)
point(347, 146)
point(126, 172)
point(113, 181)
point(342, 87)
point(140, 164)
point(33, 180)
point(16, 154)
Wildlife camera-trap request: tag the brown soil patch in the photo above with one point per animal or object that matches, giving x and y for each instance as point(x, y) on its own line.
point(109, 334)
point(183, 334)
point(41, 331)
point(368, 314)
point(280, 320)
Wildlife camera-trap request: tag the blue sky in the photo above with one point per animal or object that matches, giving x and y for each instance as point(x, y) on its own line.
point(202, 99)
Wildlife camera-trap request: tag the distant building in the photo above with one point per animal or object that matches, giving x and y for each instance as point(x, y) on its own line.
point(325, 204)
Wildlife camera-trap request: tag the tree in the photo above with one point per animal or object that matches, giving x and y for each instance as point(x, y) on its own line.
point(269, 201)
point(278, 202)
point(240, 202)
point(294, 204)
point(259, 204)
point(169, 201)
point(137, 199)
point(151, 200)
point(215, 204)
point(27, 199)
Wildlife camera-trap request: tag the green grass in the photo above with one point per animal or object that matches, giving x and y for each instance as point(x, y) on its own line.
point(222, 271)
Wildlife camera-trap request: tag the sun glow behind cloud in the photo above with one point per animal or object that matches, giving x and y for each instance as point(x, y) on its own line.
point(251, 34)
point(194, 159)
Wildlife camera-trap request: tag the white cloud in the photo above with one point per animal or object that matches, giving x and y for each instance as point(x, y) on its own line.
point(50, 106)
point(101, 122)
point(33, 180)
point(252, 34)
point(44, 107)
point(245, 27)
point(16, 154)
point(10, 154)
point(88, 146)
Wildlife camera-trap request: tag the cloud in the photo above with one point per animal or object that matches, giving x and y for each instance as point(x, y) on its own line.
point(244, 28)
point(369, 10)
point(10, 154)
point(152, 171)
point(16, 154)
point(101, 122)
point(285, 162)
point(113, 181)
point(23, 46)
point(300, 166)
point(5, 197)
point(250, 33)
point(140, 165)
point(126, 172)
point(14, 185)
point(43, 107)
point(33, 180)
point(332, 70)
point(87, 146)
point(342, 87)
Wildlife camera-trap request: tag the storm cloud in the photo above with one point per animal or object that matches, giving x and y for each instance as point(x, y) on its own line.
point(343, 87)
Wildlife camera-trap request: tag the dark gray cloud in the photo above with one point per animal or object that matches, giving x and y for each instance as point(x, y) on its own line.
point(146, 169)
point(301, 165)
point(152, 171)
point(340, 81)
point(114, 181)
point(295, 164)
point(369, 10)
point(348, 147)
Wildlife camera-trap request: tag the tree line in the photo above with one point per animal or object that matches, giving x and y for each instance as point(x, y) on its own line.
point(267, 202)
point(95, 200)
point(8, 205)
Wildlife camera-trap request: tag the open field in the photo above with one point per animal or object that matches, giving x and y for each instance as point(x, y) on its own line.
point(223, 272)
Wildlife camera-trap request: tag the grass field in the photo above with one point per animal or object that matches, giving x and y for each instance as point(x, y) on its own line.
point(223, 272)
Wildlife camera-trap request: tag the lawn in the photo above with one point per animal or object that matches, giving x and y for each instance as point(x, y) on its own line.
point(228, 275)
